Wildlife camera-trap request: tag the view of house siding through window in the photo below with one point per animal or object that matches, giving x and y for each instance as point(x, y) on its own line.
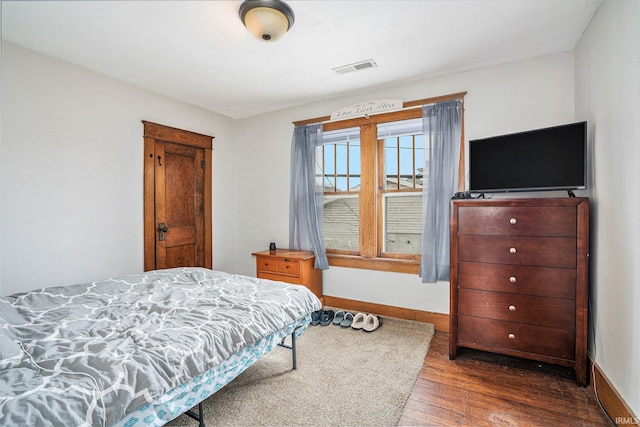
point(403, 184)
point(341, 182)
point(400, 189)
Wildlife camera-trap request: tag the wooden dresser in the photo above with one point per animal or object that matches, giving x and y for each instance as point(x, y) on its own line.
point(290, 266)
point(519, 279)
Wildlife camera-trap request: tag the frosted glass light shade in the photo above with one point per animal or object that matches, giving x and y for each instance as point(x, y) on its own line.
point(266, 20)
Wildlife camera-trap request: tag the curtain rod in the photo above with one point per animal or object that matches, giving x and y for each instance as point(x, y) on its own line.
point(405, 106)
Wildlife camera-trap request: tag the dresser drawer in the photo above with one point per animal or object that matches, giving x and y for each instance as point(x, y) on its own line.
point(540, 251)
point(526, 280)
point(498, 334)
point(534, 310)
point(518, 221)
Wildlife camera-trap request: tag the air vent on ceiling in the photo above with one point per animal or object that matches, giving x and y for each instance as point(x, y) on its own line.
point(357, 66)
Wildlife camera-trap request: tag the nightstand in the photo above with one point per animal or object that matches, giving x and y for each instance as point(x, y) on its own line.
point(290, 266)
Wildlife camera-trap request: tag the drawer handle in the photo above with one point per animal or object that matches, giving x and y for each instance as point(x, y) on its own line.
point(513, 279)
point(513, 221)
point(512, 336)
point(512, 308)
point(512, 250)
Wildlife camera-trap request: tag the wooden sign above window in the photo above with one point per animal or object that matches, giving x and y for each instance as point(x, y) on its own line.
point(364, 109)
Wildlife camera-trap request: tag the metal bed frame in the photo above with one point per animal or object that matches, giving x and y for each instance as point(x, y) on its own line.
point(199, 416)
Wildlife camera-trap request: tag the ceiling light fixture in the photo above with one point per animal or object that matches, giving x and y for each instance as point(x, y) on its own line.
point(267, 20)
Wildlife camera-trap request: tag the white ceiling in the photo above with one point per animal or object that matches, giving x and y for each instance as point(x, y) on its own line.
point(199, 51)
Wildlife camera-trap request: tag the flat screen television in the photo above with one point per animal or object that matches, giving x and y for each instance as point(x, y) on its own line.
point(553, 158)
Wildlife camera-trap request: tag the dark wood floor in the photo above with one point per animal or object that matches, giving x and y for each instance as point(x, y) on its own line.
point(484, 389)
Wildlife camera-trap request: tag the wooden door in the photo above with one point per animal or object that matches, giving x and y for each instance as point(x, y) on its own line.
point(177, 198)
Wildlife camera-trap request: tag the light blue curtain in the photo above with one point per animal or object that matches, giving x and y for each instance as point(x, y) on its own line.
point(307, 194)
point(442, 126)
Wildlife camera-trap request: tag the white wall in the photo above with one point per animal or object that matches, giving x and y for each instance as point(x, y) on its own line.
point(500, 99)
point(71, 175)
point(608, 96)
point(72, 168)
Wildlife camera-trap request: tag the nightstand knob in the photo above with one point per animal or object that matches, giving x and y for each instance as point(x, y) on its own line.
point(513, 279)
point(512, 336)
point(513, 221)
point(512, 250)
point(512, 308)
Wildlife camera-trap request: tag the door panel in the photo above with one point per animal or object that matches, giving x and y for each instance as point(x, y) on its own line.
point(180, 179)
point(177, 198)
point(179, 203)
point(180, 256)
point(180, 236)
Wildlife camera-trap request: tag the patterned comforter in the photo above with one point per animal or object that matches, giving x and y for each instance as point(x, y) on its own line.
point(90, 354)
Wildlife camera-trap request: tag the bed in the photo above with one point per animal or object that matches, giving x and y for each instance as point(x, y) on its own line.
point(138, 350)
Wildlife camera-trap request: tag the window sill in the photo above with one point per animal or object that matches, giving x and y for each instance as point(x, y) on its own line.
point(381, 264)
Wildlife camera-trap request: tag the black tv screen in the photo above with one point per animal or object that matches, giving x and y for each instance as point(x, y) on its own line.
point(552, 158)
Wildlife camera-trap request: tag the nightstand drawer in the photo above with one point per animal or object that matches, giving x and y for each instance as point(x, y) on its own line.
point(285, 266)
point(281, 278)
point(534, 310)
point(267, 264)
point(518, 221)
point(289, 267)
point(494, 335)
point(526, 280)
point(540, 251)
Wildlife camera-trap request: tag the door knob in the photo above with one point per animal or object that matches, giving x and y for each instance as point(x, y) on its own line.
point(162, 228)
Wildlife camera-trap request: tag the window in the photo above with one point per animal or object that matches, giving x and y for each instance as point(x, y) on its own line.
point(341, 181)
point(373, 171)
point(403, 160)
point(373, 179)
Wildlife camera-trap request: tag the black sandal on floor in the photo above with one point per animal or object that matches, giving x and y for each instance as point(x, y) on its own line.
point(326, 317)
point(315, 317)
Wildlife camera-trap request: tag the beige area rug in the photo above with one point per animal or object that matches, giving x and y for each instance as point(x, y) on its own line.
point(345, 377)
